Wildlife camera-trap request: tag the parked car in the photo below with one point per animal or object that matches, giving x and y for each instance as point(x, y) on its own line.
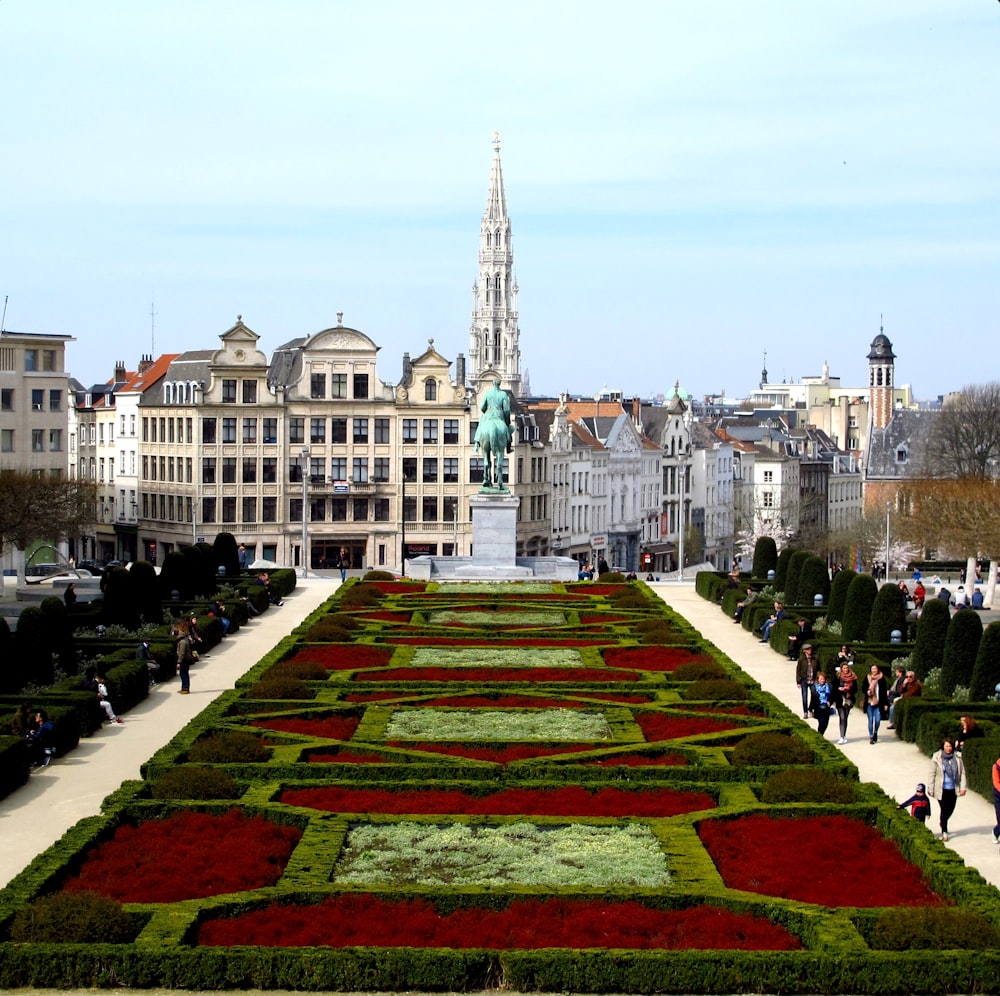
point(96, 568)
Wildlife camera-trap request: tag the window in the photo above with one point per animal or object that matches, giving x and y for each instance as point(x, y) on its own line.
point(317, 510)
point(295, 470)
point(31, 359)
point(338, 431)
point(430, 390)
point(451, 432)
point(338, 468)
point(229, 470)
point(767, 499)
point(207, 470)
point(360, 431)
point(409, 430)
point(249, 474)
point(229, 509)
point(381, 509)
point(249, 430)
point(430, 430)
point(768, 476)
point(7, 440)
point(338, 509)
point(7, 399)
point(207, 430)
point(361, 385)
point(269, 470)
point(338, 385)
point(270, 430)
point(229, 392)
point(170, 427)
point(317, 470)
point(207, 509)
point(317, 386)
point(170, 507)
point(38, 403)
point(359, 510)
point(229, 430)
point(380, 471)
point(473, 426)
point(269, 509)
point(55, 405)
point(901, 455)
point(381, 430)
point(37, 440)
point(296, 430)
point(430, 474)
point(249, 398)
point(475, 470)
point(409, 468)
point(295, 509)
point(55, 444)
point(187, 465)
point(430, 508)
point(359, 470)
point(409, 509)
point(249, 509)
point(317, 430)
point(450, 475)
point(449, 512)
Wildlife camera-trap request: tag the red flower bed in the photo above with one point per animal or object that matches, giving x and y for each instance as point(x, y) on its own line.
point(526, 701)
point(652, 658)
point(189, 855)
point(572, 800)
point(330, 727)
point(346, 757)
point(485, 641)
point(489, 674)
point(663, 726)
point(828, 860)
point(370, 921)
point(501, 755)
point(372, 696)
point(602, 617)
point(734, 710)
point(344, 656)
point(384, 615)
point(398, 587)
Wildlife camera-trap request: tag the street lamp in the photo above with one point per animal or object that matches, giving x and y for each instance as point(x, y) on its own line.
point(305, 511)
point(886, 577)
point(680, 516)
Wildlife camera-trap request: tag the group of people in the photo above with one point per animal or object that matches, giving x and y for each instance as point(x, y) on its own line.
point(822, 697)
point(37, 731)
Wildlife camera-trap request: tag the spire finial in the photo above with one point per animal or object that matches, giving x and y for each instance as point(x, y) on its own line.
point(496, 140)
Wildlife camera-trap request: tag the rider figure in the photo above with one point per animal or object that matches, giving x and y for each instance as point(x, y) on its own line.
point(494, 429)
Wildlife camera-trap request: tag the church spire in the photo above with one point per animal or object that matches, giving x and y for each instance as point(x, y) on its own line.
point(494, 338)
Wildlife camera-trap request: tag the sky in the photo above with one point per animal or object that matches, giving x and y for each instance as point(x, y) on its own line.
point(690, 183)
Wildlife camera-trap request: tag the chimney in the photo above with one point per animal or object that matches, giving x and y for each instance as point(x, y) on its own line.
point(119, 371)
point(407, 368)
point(145, 363)
point(460, 369)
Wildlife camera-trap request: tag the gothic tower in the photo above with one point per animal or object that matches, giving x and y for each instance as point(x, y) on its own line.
point(880, 381)
point(494, 338)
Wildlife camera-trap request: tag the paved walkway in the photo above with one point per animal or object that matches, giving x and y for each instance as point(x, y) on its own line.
point(893, 763)
point(55, 798)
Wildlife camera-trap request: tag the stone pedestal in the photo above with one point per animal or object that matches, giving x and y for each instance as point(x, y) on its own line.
point(494, 529)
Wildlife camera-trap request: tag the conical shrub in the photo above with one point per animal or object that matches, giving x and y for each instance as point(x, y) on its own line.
point(961, 644)
point(928, 649)
point(888, 613)
point(838, 595)
point(765, 556)
point(858, 607)
point(986, 673)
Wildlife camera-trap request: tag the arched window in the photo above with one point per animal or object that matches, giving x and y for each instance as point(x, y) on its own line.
point(498, 243)
point(430, 390)
point(878, 377)
point(489, 240)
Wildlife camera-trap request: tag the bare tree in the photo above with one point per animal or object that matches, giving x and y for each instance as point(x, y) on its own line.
point(34, 507)
point(964, 442)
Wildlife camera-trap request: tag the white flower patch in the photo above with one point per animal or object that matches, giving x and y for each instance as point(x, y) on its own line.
point(496, 657)
point(497, 724)
point(519, 854)
point(447, 617)
point(498, 588)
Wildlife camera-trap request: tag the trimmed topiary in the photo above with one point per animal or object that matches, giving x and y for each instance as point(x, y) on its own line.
point(699, 671)
point(807, 785)
point(858, 607)
point(986, 673)
point(146, 592)
point(302, 670)
point(814, 580)
point(932, 628)
point(229, 747)
point(888, 613)
point(279, 686)
point(662, 633)
point(781, 570)
point(716, 689)
point(361, 596)
point(613, 577)
point(932, 928)
point(961, 645)
point(793, 595)
point(227, 554)
point(765, 556)
point(838, 595)
point(771, 748)
point(190, 782)
point(327, 631)
point(73, 918)
point(379, 576)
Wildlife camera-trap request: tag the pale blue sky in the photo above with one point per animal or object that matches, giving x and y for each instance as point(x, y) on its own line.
point(689, 181)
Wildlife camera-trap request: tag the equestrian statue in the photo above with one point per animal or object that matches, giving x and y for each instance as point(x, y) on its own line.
point(494, 437)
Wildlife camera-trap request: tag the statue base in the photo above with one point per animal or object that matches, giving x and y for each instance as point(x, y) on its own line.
point(494, 528)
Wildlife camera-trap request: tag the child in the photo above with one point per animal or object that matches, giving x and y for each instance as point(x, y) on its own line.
point(919, 803)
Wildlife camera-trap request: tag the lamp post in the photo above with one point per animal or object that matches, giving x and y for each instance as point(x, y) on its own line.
point(886, 578)
point(680, 516)
point(402, 520)
point(305, 511)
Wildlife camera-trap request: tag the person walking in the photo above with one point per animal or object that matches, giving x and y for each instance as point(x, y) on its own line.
point(185, 657)
point(844, 697)
point(947, 781)
point(344, 563)
point(821, 703)
point(996, 800)
point(806, 669)
point(876, 701)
